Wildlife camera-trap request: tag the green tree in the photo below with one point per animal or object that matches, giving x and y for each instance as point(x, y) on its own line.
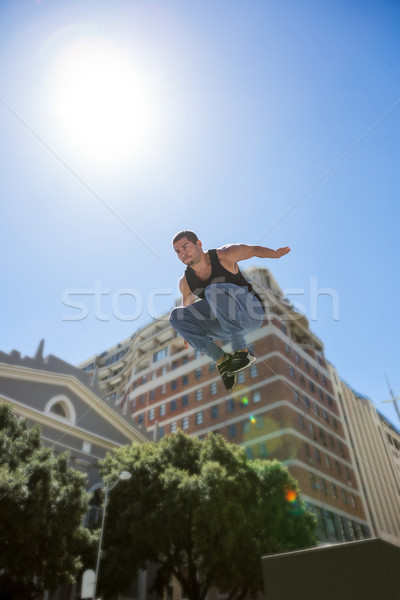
point(201, 511)
point(42, 504)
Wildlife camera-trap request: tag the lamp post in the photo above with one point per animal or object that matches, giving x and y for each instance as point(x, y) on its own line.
point(124, 475)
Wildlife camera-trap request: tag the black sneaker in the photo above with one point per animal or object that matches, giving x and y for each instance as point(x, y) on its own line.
point(241, 360)
point(228, 378)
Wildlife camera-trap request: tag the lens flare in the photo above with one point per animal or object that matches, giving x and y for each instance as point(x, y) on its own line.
point(291, 496)
point(295, 507)
point(253, 419)
point(244, 401)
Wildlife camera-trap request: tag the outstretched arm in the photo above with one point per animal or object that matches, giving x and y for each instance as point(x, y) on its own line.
point(233, 253)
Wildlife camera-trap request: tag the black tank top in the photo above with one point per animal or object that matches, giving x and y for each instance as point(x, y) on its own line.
point(218, 275)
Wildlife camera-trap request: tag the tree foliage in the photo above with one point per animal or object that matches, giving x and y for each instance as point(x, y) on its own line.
point(42, 504)
point(201, 511)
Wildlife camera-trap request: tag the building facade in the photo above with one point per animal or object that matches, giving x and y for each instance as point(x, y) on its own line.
point(282, 407)
point(375, 444)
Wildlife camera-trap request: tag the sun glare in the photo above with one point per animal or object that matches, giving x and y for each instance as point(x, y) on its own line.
point(103, 105)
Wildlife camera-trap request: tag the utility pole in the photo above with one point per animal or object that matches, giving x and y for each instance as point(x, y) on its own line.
point(393, 399)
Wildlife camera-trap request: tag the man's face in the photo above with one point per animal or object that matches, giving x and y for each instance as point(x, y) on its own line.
point(188, 252)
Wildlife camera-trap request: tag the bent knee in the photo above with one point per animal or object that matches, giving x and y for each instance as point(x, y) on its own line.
point(176, 315)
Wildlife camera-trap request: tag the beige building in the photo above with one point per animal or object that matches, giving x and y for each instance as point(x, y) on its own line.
point(375, 445)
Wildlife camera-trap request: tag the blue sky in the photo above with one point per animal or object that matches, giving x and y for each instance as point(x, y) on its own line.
point(261, 122)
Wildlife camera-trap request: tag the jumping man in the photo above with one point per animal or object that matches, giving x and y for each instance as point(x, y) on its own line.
point(228, 307)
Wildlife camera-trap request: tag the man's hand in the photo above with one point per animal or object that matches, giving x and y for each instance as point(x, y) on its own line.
point(281, 252)
point(186, 344)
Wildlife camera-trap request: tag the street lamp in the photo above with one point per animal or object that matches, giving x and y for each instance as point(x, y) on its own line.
point(123, 476)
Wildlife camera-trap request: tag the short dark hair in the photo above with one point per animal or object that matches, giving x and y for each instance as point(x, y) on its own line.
point(190, 235)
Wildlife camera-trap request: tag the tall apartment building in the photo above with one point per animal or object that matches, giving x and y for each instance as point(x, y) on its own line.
point(375, 444)
point(283, 407)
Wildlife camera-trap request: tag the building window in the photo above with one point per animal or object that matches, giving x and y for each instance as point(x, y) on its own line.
point(59, 410)
point(232, 431)
point(185, 380)
point(249, 452)
point(197, 373)
point(173, 427)
point(240, 377)
point(86, 447)
point(291, 371)
point(262, 449)
point(199, 417)
point(317, 455)
point(174, 365)
point(307, 452)
point(306, 402)
point(151, 414)
point(212, 367)
point(214, 412)
point(307, 365)
point(327, 461)
point(199, 394)
point(334, 491)
point(341, 450)
point(174, 384)
point(185, 423)
point(173, 405)
point(230, 405)
point(162, 410)
point(322, 437)
point(185, 400)
point(312, 386)
point(141, 419)
point(296, 397)
point(253, 371)
point(163, 388)
point(297, 358)
point(185, 359)
point(256, 397)
point(61, 407)
point(213, 388)
point(160, 354)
